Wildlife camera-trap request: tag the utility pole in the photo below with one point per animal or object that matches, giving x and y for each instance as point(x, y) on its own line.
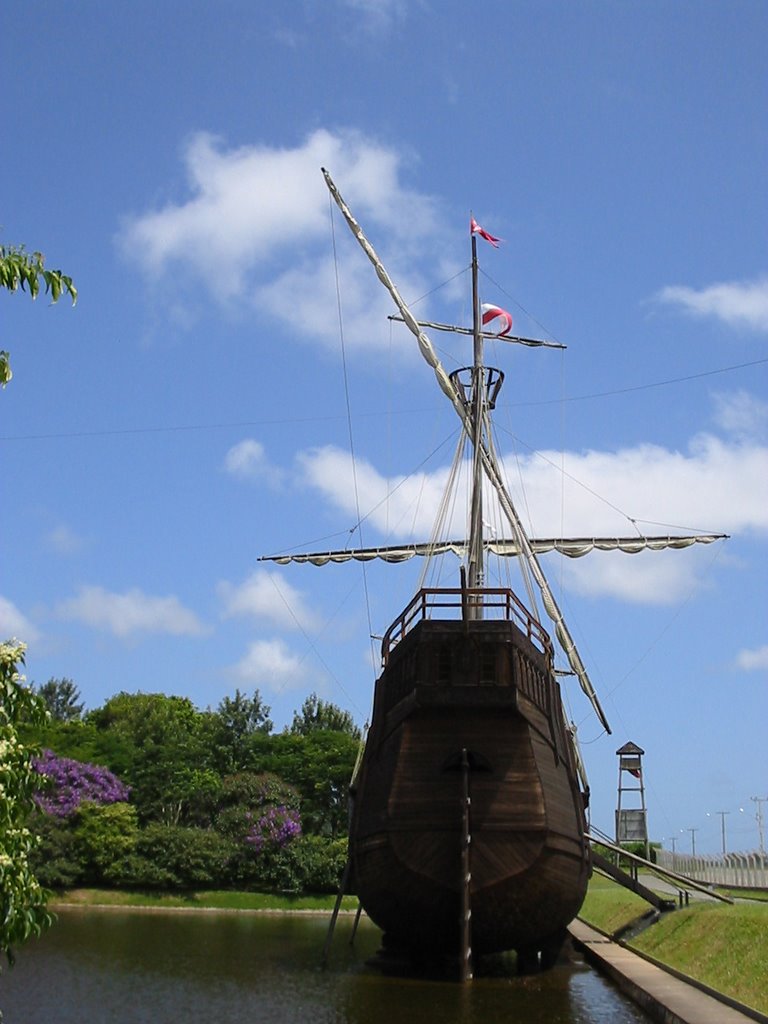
point(722, 827)
point(760, 800)
point(693, 832)
point(673, 841)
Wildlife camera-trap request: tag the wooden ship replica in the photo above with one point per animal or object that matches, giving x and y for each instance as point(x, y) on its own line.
point(468, 829)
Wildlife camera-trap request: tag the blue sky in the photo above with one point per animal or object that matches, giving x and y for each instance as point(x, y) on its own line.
point(197, 408)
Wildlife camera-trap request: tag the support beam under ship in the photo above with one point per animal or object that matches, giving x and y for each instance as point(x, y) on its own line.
point(468, 704)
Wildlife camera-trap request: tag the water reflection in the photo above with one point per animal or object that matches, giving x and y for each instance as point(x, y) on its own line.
point(98, 967)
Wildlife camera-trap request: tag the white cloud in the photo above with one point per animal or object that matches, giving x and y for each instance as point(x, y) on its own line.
point(753, 660)
point(270, 663)
point(248, 460)
point(251, 205)
point(255, 228)
point(129, 613)
point(378, 15)
point(396, 506)
point(15, 625)
point(305, 295)
point(741, 414)
point(737, 303)
point(715, 485)
point(268, 595)
point(64, 541)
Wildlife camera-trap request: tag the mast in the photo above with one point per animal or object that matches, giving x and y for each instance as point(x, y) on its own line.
point(476, 567)
point(451, 386)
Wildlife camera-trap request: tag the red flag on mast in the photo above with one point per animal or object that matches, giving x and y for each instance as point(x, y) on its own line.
point(475, 229)
point(492, 313)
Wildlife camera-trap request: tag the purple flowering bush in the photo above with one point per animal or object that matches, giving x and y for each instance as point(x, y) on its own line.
point(274, 829)
point(66, 784)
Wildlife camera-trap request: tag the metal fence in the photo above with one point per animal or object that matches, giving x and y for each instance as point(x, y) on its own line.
point(736, 870)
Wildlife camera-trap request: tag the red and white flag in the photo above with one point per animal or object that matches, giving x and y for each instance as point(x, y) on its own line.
point(475, 229)
point(491, 313)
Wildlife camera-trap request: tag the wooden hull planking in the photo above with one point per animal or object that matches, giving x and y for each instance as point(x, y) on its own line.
point(529, 861)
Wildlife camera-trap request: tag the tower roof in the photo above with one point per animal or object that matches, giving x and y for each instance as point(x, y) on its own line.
point(630, 748)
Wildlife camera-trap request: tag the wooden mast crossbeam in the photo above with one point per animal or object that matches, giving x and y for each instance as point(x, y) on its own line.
point(490, 335)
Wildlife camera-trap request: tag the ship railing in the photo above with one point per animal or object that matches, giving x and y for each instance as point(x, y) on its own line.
point(481, 603)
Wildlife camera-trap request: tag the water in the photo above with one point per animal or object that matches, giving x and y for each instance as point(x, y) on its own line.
point(127, 967)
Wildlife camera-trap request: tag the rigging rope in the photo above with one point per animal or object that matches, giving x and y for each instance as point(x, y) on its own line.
point(490, 467)
point(349, 422)
point(444, 511)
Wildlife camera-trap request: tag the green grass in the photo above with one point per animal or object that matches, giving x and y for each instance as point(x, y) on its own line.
point(725, 947)
point(210, 900)
point(746, 894)
point(609, 906)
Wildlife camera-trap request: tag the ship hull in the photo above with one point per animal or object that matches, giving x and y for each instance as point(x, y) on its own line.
point(481, 721)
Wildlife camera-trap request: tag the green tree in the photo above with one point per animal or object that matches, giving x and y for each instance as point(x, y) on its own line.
point(105, 837)
point(318, 715)
point(320, 766)
point(238, 719)
point(62, 698)
point(22, 900)
point(20, 269)
point(167, 758)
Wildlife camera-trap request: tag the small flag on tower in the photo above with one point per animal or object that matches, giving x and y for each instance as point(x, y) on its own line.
point(491, 313)
point(475, 229)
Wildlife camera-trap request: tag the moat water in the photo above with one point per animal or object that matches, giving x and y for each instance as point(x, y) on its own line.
point(131, 967)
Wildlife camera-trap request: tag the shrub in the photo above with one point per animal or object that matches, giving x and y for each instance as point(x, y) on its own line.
point(274, 829)
point(66, 784)
point(317, 863)
point(58, 860)
point(105, 836)
point(187, 857)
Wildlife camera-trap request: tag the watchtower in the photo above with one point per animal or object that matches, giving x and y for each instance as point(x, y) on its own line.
point(631, 823)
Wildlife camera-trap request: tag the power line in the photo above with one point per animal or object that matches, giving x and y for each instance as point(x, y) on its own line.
point(280, 421)
point(646, 387)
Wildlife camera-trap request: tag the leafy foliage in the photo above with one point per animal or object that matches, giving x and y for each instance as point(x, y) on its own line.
point(316, 864)
point(277, 821)
point(162, 741)
point(62, 698)
point(320, 766)
point(67, 783)
point(318, 715)
point(238, 719)
point(20, 269)
point(274, 829)
point(22, 900)
point(106, 838)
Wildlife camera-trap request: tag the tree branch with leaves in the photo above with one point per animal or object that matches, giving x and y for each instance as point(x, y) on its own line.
point(25, 271)
point(22, 900)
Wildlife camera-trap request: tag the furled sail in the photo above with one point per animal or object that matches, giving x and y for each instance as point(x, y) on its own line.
point(572, 547)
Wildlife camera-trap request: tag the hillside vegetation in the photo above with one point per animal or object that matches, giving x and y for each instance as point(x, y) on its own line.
point(723, 946)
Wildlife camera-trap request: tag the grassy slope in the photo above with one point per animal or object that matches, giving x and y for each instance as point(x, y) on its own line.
point(725, 947)
point(608, 906)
